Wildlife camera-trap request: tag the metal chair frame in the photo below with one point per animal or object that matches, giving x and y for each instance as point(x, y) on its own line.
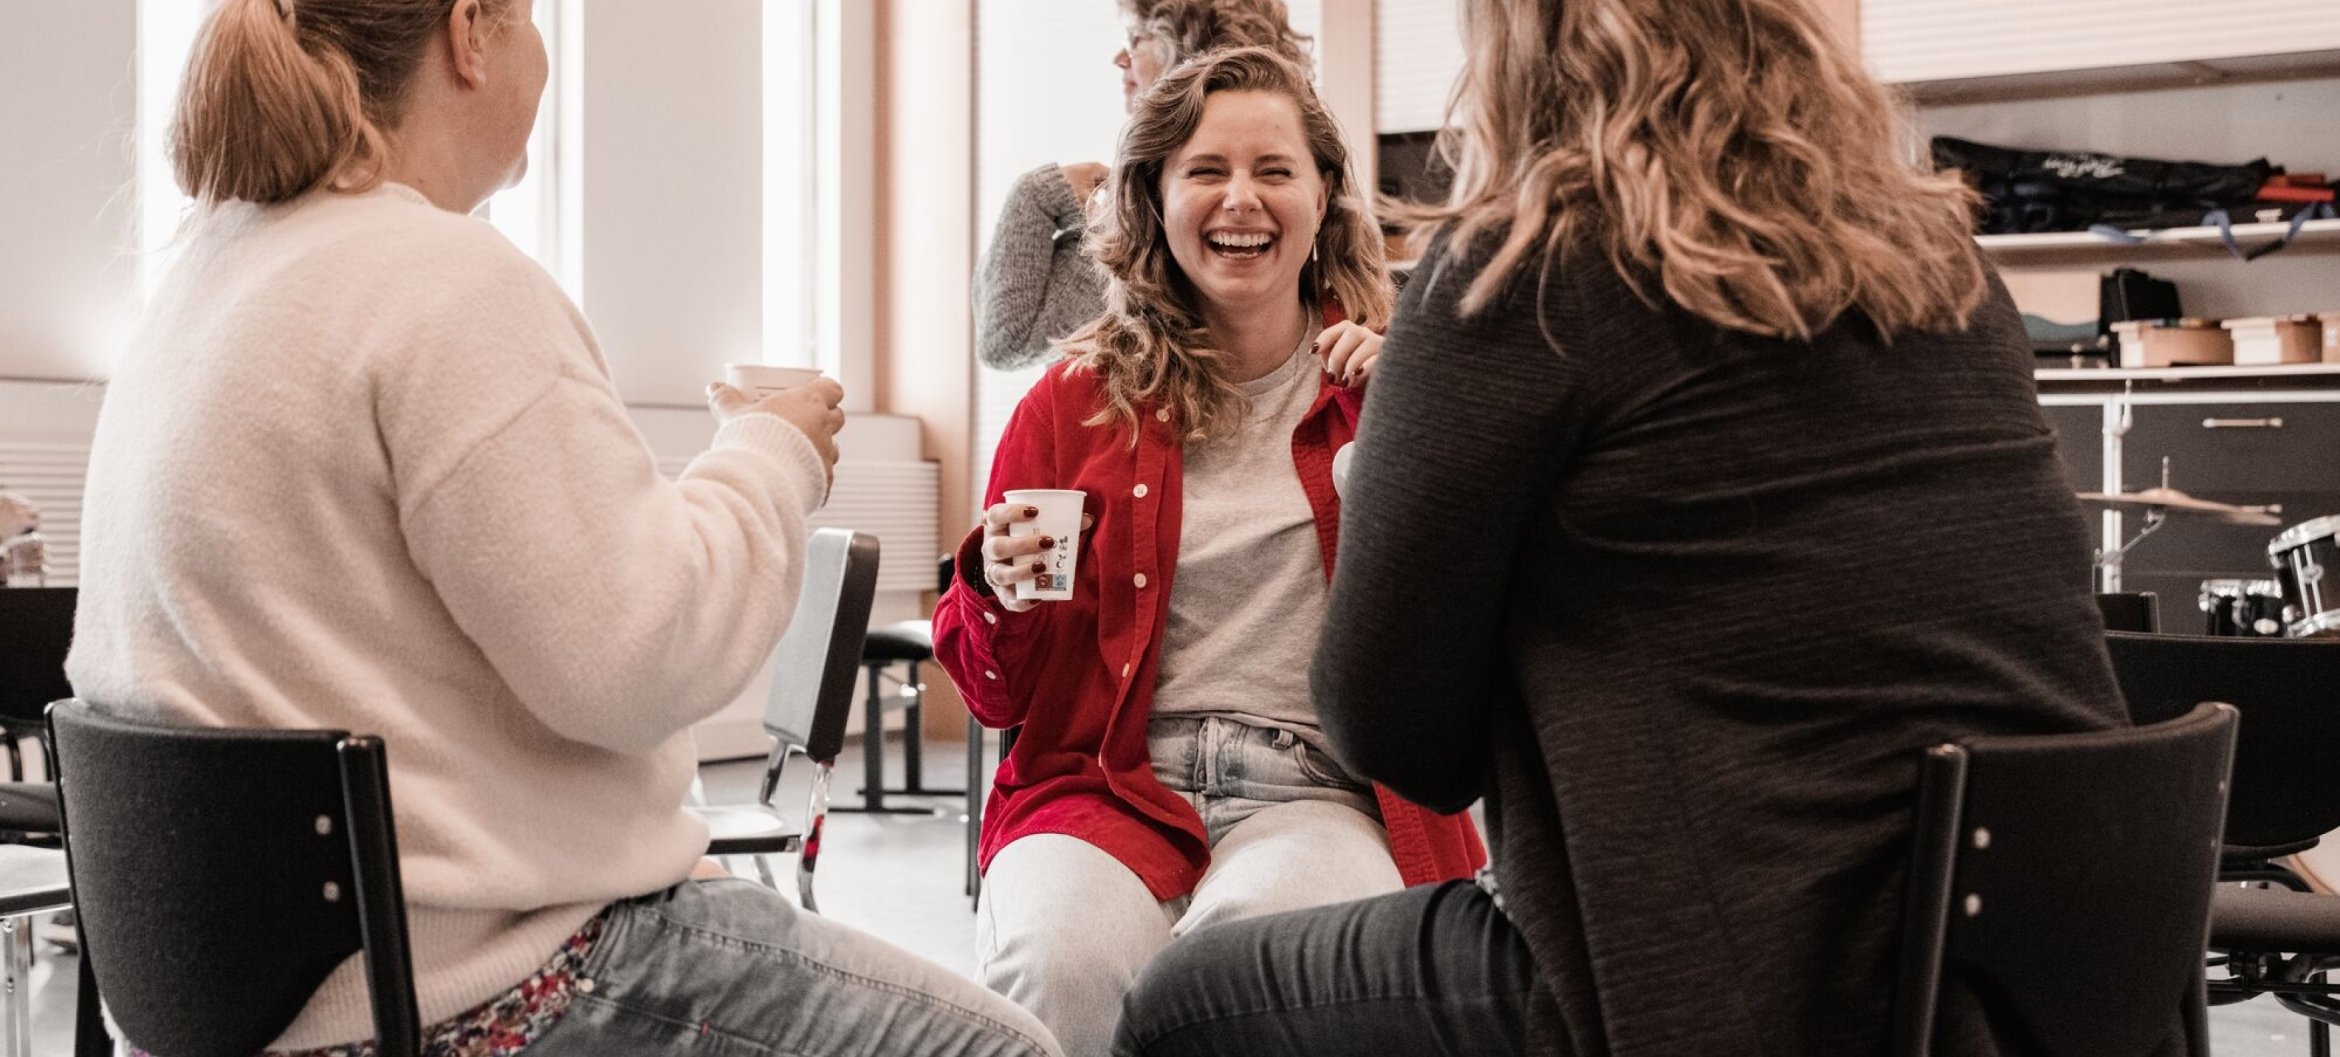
point(811, 698)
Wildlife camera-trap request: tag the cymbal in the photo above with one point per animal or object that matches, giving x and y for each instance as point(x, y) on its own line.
point(2176, 502)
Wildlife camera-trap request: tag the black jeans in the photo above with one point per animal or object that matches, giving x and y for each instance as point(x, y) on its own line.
point(1435, 969)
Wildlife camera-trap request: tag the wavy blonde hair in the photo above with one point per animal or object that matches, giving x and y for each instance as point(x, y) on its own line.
point(1151, 346)
point(1730, 152)
point(1184, 29)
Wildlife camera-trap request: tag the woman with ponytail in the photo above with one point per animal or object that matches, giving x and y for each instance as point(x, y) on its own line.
point(363, 467)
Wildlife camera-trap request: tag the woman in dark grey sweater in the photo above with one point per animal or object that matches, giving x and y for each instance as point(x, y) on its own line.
point(1702, 486)
point(1035, 286)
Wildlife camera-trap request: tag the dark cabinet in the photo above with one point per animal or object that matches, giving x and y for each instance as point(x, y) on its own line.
point(2079, 443)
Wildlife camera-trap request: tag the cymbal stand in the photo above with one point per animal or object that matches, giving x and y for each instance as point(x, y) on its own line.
point(2108, 562)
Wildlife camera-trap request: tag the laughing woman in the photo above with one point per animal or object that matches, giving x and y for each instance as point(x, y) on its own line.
point(1171, 772)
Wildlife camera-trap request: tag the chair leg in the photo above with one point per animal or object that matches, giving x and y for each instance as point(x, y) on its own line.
point(974, 800)
point(873, 743)
point(873, 751)
point(914, 738)
point(816, 819)
point(16, 1017)
point(764, 871)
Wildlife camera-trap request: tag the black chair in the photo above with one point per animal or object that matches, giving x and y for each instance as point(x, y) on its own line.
point(2131, 611)
point(2105, 841)
point(2290, 744)
point(909, 643)
point(2279, 940)
point(36, 631)
point(812, 696)
point(222, 874)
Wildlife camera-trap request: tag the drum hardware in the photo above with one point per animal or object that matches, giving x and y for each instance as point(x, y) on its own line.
point(2157, 504)
point(2305, 558)
point(2240, 608)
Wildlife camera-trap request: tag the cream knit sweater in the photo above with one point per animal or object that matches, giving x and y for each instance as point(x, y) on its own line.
point(364, 468)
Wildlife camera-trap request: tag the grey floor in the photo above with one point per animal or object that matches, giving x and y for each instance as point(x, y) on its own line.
point(899, 876)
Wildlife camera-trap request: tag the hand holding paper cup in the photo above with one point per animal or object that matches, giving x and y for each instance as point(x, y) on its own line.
point(1033, 546)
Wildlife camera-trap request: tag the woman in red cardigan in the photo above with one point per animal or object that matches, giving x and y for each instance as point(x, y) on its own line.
point(1171, 772)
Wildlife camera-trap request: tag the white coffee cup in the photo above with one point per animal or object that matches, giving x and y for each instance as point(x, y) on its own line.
point(759, 381)
point(1060, 516)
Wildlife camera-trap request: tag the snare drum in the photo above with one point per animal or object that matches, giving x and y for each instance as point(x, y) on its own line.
point(2307, 562)
point(2242, 608)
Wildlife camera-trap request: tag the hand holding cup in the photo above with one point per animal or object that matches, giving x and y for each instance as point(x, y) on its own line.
point(807, 401)
point(1031, 543)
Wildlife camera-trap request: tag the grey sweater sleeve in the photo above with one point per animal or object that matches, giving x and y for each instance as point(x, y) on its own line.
point(1035, 286)
point(1465, 428)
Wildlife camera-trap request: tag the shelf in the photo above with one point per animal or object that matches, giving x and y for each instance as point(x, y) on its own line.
point(2142, 382)
point(2051, 247)
point(2183, 374)
point(2107, 80)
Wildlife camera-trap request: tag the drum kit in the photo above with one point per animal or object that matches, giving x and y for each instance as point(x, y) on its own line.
point(2302, 600)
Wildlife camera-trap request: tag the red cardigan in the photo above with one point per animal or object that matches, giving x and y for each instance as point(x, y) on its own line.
point(1079, 675)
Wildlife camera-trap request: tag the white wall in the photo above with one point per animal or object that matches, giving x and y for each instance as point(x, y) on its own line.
point(68, 95)
point(673, 192)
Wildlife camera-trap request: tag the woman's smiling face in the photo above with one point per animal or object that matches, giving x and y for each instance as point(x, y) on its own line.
point(1242, 200)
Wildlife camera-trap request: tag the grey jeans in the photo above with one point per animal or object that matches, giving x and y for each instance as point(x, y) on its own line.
point(1063, 928)
point(730, 967)
point(1433, 971)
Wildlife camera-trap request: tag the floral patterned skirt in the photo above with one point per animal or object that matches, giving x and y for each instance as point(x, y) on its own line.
point(500, 1026)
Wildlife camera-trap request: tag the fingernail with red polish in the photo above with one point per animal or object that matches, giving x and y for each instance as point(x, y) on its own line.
point(1047, 543)
point(1039, 567)
point(1031, 511)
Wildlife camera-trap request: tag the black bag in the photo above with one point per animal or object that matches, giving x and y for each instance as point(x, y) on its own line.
point(2031, 191)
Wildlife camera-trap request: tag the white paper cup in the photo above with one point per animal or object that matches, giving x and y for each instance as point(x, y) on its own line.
point(1060, 516)
point(759, 381)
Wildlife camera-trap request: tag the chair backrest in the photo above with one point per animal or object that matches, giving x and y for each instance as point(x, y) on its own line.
point(2130, 611)
point(2288, 691)
point(818, 658)
point(2061, 884)
point(221, 874)
point(36, 630)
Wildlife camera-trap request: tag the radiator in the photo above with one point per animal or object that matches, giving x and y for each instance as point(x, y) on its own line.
point(893, 500)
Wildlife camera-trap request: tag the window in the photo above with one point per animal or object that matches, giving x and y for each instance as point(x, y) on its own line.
point(539, 214)
point(792, 221)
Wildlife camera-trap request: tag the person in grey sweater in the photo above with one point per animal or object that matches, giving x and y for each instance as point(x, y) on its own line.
point(1035, 286)
point(1702, 487)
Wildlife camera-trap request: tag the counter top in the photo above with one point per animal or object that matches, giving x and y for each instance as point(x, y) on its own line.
point(2117, 379)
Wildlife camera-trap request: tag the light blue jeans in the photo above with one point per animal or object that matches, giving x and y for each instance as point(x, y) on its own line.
point(1063, 928)
point(729, 967)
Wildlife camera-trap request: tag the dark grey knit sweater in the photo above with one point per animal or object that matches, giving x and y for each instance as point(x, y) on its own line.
point(1686, 605)
point(1035, 286)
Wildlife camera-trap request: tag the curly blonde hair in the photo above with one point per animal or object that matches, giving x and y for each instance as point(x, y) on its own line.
point(1730, 152)
point(1184, 29)
point(1152, 347)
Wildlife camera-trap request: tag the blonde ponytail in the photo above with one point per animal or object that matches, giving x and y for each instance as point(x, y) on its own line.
point(282, 97)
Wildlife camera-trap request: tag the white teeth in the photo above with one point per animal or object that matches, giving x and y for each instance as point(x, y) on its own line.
point(1241, 240)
